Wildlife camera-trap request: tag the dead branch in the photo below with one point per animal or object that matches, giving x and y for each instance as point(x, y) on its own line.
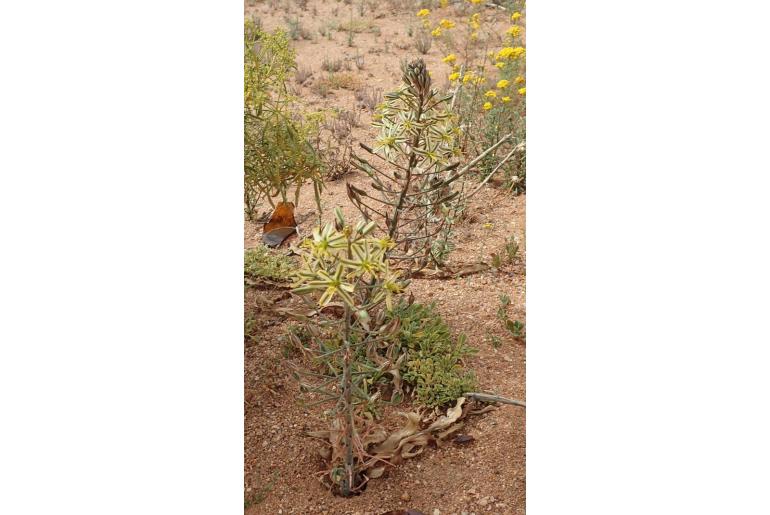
point(485, 397)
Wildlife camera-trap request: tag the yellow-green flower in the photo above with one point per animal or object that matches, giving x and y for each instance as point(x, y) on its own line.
point(500, 64)
point(490, 94)
point(506, 99)
point(487, 106)
point(522, 91)
point(436, 32)
point(454, 76)
point(518, 80)
point(447, 24)
point(513, 31)
point(502, 84)
point(443, 3)
point(474, 35)
point(515, 16)
point(423, 12)
point(450, 58)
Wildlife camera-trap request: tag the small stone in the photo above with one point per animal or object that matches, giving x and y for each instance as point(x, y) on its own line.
point(405, 496)
point(436, 511)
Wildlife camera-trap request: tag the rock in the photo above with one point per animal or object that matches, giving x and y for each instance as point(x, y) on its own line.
point(436, 511)
point(405, 496)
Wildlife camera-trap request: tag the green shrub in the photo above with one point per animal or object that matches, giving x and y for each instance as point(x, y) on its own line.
point(433, 363)
point(261, 262)
point(278, 155)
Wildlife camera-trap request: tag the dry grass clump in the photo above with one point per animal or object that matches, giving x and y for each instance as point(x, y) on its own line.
point(357, 26)
point(339, 80)
point(369, 97)
point(331, 65)
point(302, 75)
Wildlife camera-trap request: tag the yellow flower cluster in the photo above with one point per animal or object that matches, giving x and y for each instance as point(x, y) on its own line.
point(506, 99)
point(487, 106)
point(513, 31)
point(515, 16)
point(443, 3)
point(454, 76)
point(436, 32)
point(474, 22)
point(510, 52)
point(450, 58)
point(475, 1)
point(423, 12)
point(446, 24)
point(490, 94)
point(519, 79)
point(523, 91)
point(502, 84)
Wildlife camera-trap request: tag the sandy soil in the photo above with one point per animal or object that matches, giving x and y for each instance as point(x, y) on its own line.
point(486, 476)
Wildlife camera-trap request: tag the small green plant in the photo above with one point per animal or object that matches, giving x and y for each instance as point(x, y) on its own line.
point(261, 262)
point(433, 364)
point(514, 327)
point(494, 340)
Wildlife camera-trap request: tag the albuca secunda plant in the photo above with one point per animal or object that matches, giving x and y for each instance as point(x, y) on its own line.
point(416, 202)
point(346, 268)
point(416, 173)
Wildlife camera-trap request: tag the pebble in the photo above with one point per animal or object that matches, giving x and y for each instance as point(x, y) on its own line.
point(436, 512)
point(405, 496)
